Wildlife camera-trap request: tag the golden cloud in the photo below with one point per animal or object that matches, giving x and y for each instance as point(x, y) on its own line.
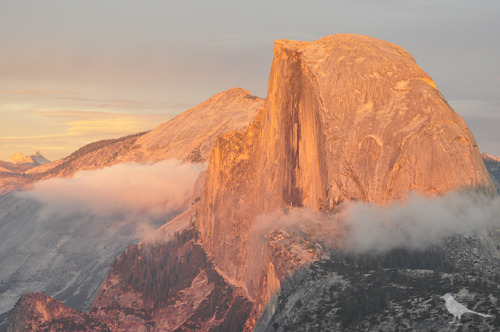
point(72, 129)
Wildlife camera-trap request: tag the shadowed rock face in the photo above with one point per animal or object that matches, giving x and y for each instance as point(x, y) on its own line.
point(169, 287)
point(346, 117)
point(161, 286)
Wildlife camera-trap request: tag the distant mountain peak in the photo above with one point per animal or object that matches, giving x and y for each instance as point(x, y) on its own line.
point(35, 159)
point(20, 158)
point(488, 157)
point(39, 159)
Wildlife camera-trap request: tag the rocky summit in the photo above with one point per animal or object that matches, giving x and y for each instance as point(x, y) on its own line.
point(351, 116)
point(347, 117)
point(35, 159)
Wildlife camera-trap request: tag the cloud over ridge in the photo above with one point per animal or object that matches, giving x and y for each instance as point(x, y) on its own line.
point(126, 191)
point(413, 224)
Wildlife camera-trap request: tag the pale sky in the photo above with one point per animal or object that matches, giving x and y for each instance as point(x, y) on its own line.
point(72, 72)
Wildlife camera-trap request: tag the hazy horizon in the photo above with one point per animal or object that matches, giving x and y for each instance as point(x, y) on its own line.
point(75, 72)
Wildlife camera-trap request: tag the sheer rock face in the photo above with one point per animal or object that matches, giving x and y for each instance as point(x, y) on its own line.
point(346, 117)
point(228, 201)
point(351, 116)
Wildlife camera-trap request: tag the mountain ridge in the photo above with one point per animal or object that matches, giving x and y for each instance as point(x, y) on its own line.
point(33, 160)
point(191, 141)
point(488, 157)
point(492, 163)
point(24, 231)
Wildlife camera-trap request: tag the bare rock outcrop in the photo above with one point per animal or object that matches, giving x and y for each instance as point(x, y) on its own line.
point(351, 116)
point(39, 312)
point(346, 117)
point(154, 286)
point(169, 286)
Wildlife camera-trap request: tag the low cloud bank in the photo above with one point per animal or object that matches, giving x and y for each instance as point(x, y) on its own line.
point(68, 230)
point(135, 194)
point(414, 223)
point(419, 221)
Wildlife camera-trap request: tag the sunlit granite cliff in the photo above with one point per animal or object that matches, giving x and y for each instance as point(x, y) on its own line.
point(346, 117)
